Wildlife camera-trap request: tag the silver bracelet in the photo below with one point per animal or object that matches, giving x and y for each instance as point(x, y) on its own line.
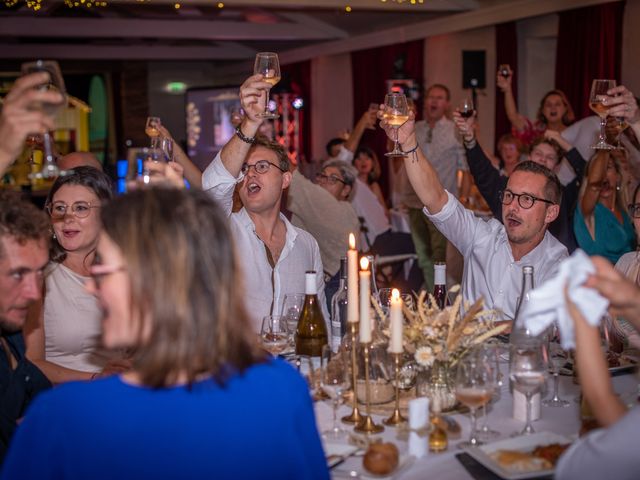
point(243, 137)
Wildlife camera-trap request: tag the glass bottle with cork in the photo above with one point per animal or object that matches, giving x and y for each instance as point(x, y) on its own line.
point(339, 309)
point(440, 284)
point(311, 334)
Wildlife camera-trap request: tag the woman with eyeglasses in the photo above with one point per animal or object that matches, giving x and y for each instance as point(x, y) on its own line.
point(202, 399)
point(601, 223)
point(62, 334)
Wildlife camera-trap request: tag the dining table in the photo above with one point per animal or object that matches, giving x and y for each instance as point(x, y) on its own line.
point(564, 421)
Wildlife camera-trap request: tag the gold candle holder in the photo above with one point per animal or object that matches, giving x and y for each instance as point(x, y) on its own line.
point(367, 425)
point(355, 417)
point(396, 417)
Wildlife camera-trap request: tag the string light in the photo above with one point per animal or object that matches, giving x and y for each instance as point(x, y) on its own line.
point(220, 5)
point(177, 6)
point(347, 9)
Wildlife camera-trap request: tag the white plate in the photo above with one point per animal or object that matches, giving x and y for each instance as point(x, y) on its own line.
point(525, 443)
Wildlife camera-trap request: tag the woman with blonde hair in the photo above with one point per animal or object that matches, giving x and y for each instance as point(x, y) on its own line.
point(202, 400)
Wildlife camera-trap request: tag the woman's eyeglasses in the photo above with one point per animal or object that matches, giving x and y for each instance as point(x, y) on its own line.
point(58, 210)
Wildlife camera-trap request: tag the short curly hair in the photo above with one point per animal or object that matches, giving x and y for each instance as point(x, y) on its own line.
point(21, 220)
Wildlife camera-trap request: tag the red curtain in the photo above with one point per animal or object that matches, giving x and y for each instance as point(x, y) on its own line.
point(589, 46)
point(299, 74)
point(506, 53)
point(371, 69)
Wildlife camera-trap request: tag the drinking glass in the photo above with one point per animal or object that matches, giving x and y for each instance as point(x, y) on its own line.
point(373, 109)
point(557, 358)
point(384, 297)
point(274, 334)
point(166, 145)
point(291, 308)
point(267, 65)
point(152, 131)
point(474, 387)
point(334, 381)
point(503, 70)
point(396, 113)
point(466, 108)
point(527, 371)
point(597, 103)
point(489, 352)
point(56, 82)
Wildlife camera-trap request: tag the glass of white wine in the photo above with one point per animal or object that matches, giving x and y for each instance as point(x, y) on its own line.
point(528, 372)
point(274, 334)
point(597, 103)
point(267, 65)
point(56, 83)
point(152, 130)
point(396, 114)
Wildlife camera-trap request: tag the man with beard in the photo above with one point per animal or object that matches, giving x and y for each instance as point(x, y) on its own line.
point(24, 253)
point(494, 254)
point(273, 253)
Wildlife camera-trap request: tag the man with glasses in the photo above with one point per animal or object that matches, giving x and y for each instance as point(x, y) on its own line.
point(494, 253)
point(273, 253)
point(24, 253)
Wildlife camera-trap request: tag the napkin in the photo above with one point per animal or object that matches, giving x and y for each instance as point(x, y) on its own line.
point(547, 302)
point(418, 419)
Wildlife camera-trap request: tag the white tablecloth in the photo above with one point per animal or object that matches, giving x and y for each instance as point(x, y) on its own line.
point(444, 466)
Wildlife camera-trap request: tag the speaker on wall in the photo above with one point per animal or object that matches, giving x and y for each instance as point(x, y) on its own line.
point(473, 69)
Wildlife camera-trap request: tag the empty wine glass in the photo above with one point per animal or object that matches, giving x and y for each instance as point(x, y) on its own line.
point(489, 352)
point(267, 65)
point(274, 334)
point(557, 358)
point(597, 102)
point(396, 114)
point(56, 83)
point(166, 145)
point(466, 108)
point(473, 388)
point(527, 371)
point(291, 308)
point(334, 381)
point(152, 130)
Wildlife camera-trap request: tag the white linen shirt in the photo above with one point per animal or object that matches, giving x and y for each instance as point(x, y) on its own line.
point(264, 287)
point(489, 268)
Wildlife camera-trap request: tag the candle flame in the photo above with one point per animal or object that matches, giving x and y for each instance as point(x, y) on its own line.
point(352, 241)
point(395, 294)
point(364, 263)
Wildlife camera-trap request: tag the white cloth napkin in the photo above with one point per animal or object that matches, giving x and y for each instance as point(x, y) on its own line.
point(418, 419)
point(547, 303)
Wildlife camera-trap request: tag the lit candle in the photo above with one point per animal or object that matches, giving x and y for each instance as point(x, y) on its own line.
point(352, 281)
point(395, 344)
point(365, 302)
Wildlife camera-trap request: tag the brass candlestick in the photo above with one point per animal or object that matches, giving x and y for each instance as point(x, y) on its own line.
point(355, 416)
point(368, 425)
point(396, 417)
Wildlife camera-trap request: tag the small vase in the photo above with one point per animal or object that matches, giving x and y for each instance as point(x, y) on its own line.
point(436, 384)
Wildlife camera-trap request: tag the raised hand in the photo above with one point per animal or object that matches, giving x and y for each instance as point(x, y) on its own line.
point(405, 132)
point(504, 83)
point(622, 103)
point(252, 97)
point(466, 126)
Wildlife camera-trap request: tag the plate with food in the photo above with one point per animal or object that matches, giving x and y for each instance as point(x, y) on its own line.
point(522, 457)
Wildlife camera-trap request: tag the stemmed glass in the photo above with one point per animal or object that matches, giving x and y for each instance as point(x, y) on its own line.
point(152, 130)
point(291, 308)
point(474, 388)
point(557, 358)
point(597, 103)
point(56, 82)
point(334, 381)
point(396, 113)
point(267, 65)
point(274, 334)
point(166, 145)
point(466, 108)
point(490, 353)
point(528, 371)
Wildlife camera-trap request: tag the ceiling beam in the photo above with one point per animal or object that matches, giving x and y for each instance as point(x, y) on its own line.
point(114, 52)
point(483, 17)
point(139, 28)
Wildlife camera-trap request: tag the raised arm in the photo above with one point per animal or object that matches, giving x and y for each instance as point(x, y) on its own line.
point(504, 84)
point(597, 173)
point(422, 175)
point(18, 118)
point(368, 119)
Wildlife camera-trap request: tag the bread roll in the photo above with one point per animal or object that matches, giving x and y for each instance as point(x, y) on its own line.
point(381, 458)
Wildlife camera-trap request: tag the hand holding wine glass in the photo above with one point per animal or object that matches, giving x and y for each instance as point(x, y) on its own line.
point(598, 102)
point(396, 114)
point(267, 65)
point(503, 77)
point(622, 104)
point(466, 125)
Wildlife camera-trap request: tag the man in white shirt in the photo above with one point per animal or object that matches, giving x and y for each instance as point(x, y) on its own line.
point(494, 254)
point(273, 253)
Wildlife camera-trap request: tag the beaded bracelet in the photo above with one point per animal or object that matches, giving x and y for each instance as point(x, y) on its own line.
point(243, 137)
point(410, 151)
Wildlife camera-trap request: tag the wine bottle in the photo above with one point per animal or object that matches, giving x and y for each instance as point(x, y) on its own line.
point(520, 332)
point(440, 284)
point(339, 308)
point(311, 334)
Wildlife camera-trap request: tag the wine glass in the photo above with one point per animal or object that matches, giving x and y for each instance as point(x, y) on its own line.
point(466, 108)
point(166, 145)
point(489, 352)
point(396, 113)
point(56, 83)
point(267, 65)
point(473, 388)
point(597, 102)
point(527, 371)
point(291, 308)
point(503, 70)
point(557, 358)
point(334, 381)
point(620, 125)
point(152, 131)
point(274, 334)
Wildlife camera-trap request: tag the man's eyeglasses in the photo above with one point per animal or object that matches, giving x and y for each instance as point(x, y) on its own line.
point(97, 272)
point(525, 200)
point(261, 166)
point(81, 209)
point(330, 179)
point(634, 210)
